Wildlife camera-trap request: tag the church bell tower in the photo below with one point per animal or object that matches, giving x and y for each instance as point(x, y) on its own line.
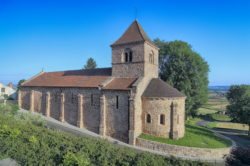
point(134, 54)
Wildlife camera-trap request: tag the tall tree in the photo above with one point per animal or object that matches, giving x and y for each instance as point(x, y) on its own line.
point(239, 104)
point(91, 64)
point(19, 83)
point(186, 70)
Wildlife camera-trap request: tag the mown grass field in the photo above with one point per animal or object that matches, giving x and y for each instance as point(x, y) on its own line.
point(195, 136)
point(228, 125)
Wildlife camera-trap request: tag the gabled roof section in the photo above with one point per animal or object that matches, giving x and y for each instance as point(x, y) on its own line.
point(88, 78)
point(134, 33)
point(158, 88)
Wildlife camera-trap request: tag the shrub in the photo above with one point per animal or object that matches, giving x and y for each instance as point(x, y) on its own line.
point(32, 144)
point(9, 108)
point(71, 159)
point(239, 156)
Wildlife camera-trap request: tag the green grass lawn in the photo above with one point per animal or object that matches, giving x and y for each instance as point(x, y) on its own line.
point(220, 117)
point(195, 136)
point(228, 125)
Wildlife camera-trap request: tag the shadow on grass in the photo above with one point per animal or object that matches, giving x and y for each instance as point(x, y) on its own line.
point(207, 133)
point(199, 130)
point(209, 118)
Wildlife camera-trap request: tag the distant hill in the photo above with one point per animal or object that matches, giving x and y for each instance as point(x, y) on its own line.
point(218, 88)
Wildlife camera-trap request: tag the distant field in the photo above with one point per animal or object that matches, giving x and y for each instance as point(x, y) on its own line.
point(214, 109)
point(217, 102)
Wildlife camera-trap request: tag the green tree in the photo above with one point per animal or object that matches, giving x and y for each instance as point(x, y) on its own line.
point(239, 104)
point(91, 64)
point(19, 83)
point(186, 70)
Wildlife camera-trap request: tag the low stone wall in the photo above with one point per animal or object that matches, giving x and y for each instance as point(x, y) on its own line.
point(186, 152)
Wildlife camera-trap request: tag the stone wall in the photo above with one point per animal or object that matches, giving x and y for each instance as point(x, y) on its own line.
point(172, 110)
point(189, 152)
point(81, 107)
point(136, 108)
point(25, 98)
point(151, 69)
point(132, 69)
point(117, 118)
point(91, 105)
point(39, 99)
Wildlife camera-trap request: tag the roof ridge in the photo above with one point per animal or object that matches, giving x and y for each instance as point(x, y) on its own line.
point(78, 70)
point(139, 28)
point(141, 31)
point(32, 78)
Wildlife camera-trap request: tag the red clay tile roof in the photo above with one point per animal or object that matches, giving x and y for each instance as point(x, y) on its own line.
point(120, 84)
point(134, 33)
point(91, 78)
point(159, 88)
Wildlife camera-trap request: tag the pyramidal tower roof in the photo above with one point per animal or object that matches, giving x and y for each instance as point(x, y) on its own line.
point(134, 33)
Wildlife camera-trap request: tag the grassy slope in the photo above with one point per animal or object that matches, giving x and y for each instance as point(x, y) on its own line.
point(228, 125)
point(30, 143)
point(195, 136)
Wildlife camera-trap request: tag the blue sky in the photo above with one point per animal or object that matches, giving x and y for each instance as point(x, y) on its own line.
point(61, 35)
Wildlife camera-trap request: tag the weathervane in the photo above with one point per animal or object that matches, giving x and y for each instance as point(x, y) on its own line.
point(136, 12)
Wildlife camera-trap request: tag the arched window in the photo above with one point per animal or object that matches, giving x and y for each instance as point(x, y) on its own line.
point(162, 119)
point(148, 118)
point(128, 55)
point(151, 57)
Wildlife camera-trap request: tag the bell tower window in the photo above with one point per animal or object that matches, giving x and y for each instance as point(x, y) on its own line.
point(128, 55)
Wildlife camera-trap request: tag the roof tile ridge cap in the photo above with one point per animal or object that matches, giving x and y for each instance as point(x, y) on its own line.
point(145, 38)
point(37, 75)
point(140, 31)
point(78, 70)
point(106, 82)
point(98, 68)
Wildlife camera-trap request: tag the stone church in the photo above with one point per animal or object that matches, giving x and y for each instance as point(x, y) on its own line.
point(122, 102)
